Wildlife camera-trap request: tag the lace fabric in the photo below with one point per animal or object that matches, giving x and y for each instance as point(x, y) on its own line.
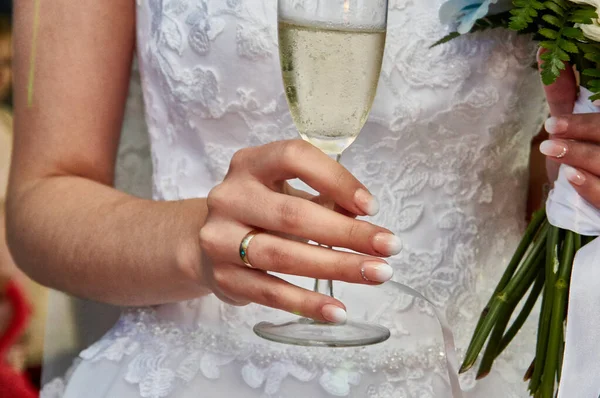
point(445, 150)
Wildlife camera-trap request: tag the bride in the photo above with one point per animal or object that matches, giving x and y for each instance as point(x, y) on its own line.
point(438, 179)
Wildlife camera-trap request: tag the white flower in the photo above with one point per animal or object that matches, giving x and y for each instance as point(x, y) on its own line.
point(595, 3)
point(591, 31)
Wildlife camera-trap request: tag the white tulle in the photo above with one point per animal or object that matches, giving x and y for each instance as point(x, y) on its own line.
point(445, 150)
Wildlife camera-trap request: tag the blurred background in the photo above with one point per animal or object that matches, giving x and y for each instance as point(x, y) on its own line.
point(42, 331)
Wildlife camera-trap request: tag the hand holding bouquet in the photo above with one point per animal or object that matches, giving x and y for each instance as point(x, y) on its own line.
point(569, 34)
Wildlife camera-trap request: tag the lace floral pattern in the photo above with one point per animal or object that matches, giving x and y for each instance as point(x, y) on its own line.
point(445, 150)
point(183, 354)
point(133, 171)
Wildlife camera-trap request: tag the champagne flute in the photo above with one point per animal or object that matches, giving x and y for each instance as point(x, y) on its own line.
point(331, 53)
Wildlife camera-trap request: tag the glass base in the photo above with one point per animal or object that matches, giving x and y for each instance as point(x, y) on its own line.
point(307, 332)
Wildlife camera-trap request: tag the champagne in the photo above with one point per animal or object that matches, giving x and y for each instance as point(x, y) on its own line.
point(330, 77)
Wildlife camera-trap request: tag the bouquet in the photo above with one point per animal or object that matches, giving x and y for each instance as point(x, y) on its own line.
point(568, 31)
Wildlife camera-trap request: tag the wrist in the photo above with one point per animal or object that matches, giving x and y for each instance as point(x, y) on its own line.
point(188, 254)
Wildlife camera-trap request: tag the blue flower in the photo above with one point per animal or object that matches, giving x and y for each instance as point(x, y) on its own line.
point(466, 12)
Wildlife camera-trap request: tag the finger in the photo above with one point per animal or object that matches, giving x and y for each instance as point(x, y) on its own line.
point(562, 94)
point(578, 154)
point(287, 189)
point(286, 160)
point(271, 253)
point(285, 214)
point(326, 202)
point(208, 272)
point(586, 184)
point(270, 291)
point(274, 254)
point(581, 127)
point(318, 199)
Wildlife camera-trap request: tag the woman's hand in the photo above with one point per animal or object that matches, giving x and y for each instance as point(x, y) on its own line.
point(575, 142)
point(255, 195)
point(574, 139)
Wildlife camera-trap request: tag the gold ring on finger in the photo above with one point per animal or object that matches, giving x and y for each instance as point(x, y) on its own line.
point(244, 247)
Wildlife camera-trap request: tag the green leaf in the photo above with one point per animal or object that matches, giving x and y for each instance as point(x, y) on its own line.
point(552, 20)
point(573, 33)
point(595, 97)
point(562, 55)
point(568, 47)
point(558, 10)
point(594, 85)
point(592, 72)
point(492, 21)
point(549, 33)
point(523, 13)
point(446, 39)
point(584, 15)
point(594, 57)
point(587, 47)
point(549, 76)
point(556, 62)
point(548, 45)
point(489, 22)
point(584, 12)
point(552, 67)
point(528, 4)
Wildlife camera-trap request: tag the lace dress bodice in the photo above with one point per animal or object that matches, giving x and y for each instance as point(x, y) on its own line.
point(445, 150)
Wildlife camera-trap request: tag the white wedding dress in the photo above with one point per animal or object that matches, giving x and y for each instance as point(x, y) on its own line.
point(445, 150)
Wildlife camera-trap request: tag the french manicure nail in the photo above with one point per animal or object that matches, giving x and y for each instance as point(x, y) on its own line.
point(334, 314)
point(376, 271)
point(366, 202)
point(555, 125)
point(573, 175)
point(553, 149)
point(387, 244)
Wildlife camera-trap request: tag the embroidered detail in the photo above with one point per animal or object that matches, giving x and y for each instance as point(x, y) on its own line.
point(445, 151)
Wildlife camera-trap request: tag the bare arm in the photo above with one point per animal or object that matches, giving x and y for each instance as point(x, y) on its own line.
point(67, 227)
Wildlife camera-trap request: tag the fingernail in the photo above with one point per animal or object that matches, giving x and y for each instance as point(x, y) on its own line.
point(554, 149)
point(334, 314)
point(366, 202)
point(555, 125)
point(573, 175)
point(387, 244)
point(376, 271)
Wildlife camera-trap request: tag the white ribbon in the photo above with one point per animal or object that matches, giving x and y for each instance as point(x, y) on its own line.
point(451, 358)
point(580, 375)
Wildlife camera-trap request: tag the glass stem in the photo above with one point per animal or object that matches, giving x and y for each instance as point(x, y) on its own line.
point(321, 286)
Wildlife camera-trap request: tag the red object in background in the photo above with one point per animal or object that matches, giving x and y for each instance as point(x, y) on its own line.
point(18, 323)
point(15, 385)
point(12, 383)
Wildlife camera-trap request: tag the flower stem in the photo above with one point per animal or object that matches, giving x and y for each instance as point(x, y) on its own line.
point(530, 233)
point(586, 239)
point(546, 312)
point(500, 301)
point(525, 311)
point(529, 371)
point(529, 270)
point(558, 312)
